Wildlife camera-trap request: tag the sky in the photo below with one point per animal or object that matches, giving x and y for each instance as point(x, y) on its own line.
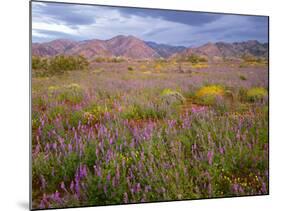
point(52, 21)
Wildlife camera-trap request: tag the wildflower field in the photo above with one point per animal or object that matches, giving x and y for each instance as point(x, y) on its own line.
point(127, 133)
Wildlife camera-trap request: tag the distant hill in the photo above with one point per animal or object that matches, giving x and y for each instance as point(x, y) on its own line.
point(135, 48)
point(55, 47)
point(124, 46)
point(228, 50)
point(164, 50)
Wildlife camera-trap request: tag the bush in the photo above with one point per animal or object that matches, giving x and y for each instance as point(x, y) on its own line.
point(208, 94)
point(58, 65)
point(256, 94)
point(112, 59)
point(242, 77)
point(130, 68)
point(196, 59)
point(170, 96)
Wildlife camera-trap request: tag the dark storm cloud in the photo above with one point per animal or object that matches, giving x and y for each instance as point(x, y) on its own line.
point(188, 18)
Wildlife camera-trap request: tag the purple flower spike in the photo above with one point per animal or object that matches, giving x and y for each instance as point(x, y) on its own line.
point(210, 156)
point(72, 186)
point(126, 199)
point(62, 185)
point(108, 178)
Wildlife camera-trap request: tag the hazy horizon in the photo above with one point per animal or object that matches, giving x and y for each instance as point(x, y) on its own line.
point(51, 21)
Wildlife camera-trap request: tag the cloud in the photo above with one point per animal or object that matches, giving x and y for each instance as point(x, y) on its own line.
point(67, 14)
point(79, 22)
point(188, 18)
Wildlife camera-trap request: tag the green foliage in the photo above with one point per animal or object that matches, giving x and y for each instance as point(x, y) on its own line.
point(143, 112)
point(58, 65)
point(39, 63)
point(72, 94)
point(75, 118)
point(57, 111)
point(256, 94)
point(194, 59)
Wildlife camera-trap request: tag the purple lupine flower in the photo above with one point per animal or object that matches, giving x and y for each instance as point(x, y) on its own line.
point(147, 188)
point(47, 147)
point(72, 186)
point(107, 115)
point(210, 156)
point(221, 149)
point(43, 182)
point(42, 204)
point(138, 188)
point(105, 189)
point(56, 197)
point(84, 170)
point(171, 123)
point(54, 146)
point(77, 188)
point(108, 178)
point(62, 185)
point(126, 199)
point(111, 141)
point(37, 149)
point(235, 188)
point(69, 148)
point(210, 189)
point(264, 188)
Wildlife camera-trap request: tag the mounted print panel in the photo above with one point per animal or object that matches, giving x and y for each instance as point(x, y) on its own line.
point(133, 105)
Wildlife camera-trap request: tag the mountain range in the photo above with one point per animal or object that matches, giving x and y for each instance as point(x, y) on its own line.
point(135, 48)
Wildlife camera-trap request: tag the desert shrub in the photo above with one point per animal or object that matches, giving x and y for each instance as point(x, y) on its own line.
point(39, 63)
point(256, 94)
point(199, 66)
point(196, 59)
point(100, 59)
point(158, 67)
point(170, 96)
point(58, 65)
point(109, 59)
point(242, 77)
point(242, 94)
point(130, 68)
point(117, 59)
point(242, 65)
point(250, 58)
point(208, 94)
